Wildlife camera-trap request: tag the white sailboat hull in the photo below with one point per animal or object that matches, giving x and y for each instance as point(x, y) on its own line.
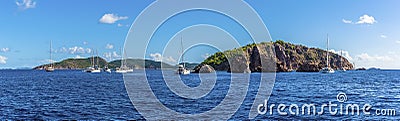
point(95, 71)
point(121, 71)
point(92, 70)
point(108, 70)
point(184, 72)
point(49, 69)
point(124, 71)
point(327, 70)
point(129, 70)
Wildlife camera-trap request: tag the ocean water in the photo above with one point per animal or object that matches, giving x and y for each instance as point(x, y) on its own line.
point(32, 94)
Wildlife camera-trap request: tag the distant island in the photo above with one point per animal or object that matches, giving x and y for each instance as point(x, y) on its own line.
point(289, 57)
point(81, 63)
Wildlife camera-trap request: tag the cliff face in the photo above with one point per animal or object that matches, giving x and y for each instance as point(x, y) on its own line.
point(304, 59)
point(288, 57)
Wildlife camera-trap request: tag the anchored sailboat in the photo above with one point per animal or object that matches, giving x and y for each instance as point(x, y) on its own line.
point(50, 68)
point(124, 68)
point(327, 69)
point(182, 68)
point(106, 69)
point(94, 68)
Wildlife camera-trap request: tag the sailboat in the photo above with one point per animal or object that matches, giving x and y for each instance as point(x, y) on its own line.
point(327, 69)
point(90, 68)
point(124, 68)
point(341, 69)
point(94, 68)
point(182, 68)
point(106, 69)
point(50, 68)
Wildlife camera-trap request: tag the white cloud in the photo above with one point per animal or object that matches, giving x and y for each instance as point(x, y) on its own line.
point(109, 46)
point(62, 50)
point(366, 19)
point(78, 57)
point(205, 56)
point(386, 61)
point(383, 36)
point(88, 50)
point(75, 50)
point(111, 55)
point(3, 60)
point(159, 57)
point(4, 49)
point(169, 59)
point(26, 4)
point(123, 25)
point(347, 21)
point(366, 57)
point(85, 43)
point(344, 53)
point(115, 55)
point(107, 55)
point(156, 56)
point(398, 41)
point(111, 18)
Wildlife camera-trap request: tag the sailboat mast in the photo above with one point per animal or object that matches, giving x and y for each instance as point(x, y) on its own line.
point(92, 59)
point(122, 59)
point(97, 58)
point(182, 53)
point(327, 51)
point(125, 62)
point(341, 54)
point(51, 58)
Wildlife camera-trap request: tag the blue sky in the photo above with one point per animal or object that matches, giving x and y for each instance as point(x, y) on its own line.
point(366, 30)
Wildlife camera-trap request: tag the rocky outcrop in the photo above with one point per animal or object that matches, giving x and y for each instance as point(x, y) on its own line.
point(309, 67)
point(275, 56)
point(204, 68)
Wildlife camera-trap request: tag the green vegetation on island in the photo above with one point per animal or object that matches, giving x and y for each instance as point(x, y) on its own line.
point(82, 63)
point(288, 57)
point(250, 58)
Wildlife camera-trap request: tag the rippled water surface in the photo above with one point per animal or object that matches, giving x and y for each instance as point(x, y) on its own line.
point(28, 94)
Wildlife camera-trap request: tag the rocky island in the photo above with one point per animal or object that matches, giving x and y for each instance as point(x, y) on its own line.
point(288, 57)
point(278, 56)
